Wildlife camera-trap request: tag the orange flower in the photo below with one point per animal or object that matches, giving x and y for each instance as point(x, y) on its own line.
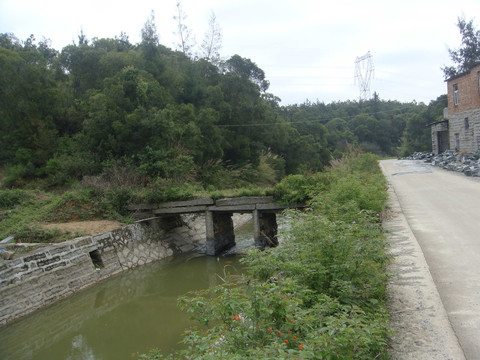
point(300, 347)
point(286, 341)
point(239, 318)
point(279, 333)
point(294, 337)
point(270, 329)
point(292, 321)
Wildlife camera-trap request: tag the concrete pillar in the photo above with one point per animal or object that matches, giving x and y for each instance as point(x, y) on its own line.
point(257, 234)
point(210, 234)
point(219, 232)
point(265, 229)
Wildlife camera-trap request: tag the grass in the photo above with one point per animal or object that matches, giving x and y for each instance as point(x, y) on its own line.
point(22, 218)
point(23, 211)
point(107, 195)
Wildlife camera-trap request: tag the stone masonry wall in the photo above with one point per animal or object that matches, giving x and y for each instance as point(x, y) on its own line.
point(468, 139)
point(51, 325)
point(57, 271)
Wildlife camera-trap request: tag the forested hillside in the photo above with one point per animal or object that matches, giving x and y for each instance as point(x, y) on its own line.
point(104, 103)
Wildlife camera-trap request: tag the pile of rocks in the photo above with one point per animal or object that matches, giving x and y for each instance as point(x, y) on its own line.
point(467, 163)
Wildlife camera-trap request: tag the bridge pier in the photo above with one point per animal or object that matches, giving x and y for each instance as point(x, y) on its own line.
point(219, 232)
point(265, 229)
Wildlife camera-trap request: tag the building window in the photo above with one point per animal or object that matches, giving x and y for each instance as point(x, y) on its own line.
point(455, 94)
point(467, 124)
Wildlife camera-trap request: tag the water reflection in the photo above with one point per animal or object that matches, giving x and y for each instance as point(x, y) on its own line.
point(125, 315)
point(80, 350)
point(130, 313)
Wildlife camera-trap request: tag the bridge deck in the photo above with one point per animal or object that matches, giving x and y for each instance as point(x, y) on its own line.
point(218, 223)
point(232, 205)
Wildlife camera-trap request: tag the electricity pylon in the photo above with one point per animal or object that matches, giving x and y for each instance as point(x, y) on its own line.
point(364, 71)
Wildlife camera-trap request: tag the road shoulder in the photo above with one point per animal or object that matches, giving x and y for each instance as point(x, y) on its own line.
point(418, 317)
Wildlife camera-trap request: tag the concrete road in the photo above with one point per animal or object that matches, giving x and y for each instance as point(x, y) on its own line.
point(443, 211)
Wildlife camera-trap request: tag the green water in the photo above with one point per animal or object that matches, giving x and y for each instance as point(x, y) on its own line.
point(121, 317)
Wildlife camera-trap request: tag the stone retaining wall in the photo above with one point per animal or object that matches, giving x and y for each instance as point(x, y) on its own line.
point(57, 271)
point(52, 324)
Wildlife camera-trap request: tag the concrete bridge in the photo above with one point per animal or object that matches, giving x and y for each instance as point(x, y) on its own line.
point(218, 218)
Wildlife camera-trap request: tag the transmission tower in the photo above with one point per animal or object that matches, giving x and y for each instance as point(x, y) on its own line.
point(364, 71)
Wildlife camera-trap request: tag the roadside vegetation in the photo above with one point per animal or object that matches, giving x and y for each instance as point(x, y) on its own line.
point(319, 295)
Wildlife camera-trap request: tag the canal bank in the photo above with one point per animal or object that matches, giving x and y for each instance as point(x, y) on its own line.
point(126, 314)
point(49, 274)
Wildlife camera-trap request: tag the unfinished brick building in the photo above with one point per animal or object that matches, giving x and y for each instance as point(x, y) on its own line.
point(460, 128)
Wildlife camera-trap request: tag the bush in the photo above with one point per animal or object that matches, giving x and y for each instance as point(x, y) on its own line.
point(165, 190)
point(15, 175)
point(319, 295)
point(66, 169)
point(167, 164)
point(295, 189)
point(10, 198)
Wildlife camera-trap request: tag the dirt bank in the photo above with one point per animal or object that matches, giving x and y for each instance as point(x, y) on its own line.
point(84, 227)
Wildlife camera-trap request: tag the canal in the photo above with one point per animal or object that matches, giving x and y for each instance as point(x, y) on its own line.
point(126, 315)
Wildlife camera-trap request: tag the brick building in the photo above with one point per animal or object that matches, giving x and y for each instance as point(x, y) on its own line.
point(460, 128)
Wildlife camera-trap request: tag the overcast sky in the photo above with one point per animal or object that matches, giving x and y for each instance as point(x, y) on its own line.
point(306, 48)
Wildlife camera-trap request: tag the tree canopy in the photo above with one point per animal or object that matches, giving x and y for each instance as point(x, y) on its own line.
point(70, 113)
point(468, 54)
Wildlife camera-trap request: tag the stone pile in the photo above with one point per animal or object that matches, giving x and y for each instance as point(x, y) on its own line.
point(467, 163)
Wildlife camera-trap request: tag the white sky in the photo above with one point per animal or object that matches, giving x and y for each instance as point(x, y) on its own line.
point(307, 48)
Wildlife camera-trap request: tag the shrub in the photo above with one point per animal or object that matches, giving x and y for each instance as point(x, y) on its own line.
point(66, 169)
point(164, 190)
point(319, 295)
point(295, 189)
point(10, 198)
point(167, 164)
point(15, 175)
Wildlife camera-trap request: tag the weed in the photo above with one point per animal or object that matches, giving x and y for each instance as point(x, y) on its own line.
point(320, 294)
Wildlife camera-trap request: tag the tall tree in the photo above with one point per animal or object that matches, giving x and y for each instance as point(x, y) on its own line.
point(186, 40)
point(212, 42)
point(149, 32)
point(150, 38)
point(468, 55)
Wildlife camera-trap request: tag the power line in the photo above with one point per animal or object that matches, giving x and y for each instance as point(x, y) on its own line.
point(325, 119)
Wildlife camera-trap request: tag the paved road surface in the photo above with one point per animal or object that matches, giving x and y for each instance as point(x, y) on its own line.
point(443, 211)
